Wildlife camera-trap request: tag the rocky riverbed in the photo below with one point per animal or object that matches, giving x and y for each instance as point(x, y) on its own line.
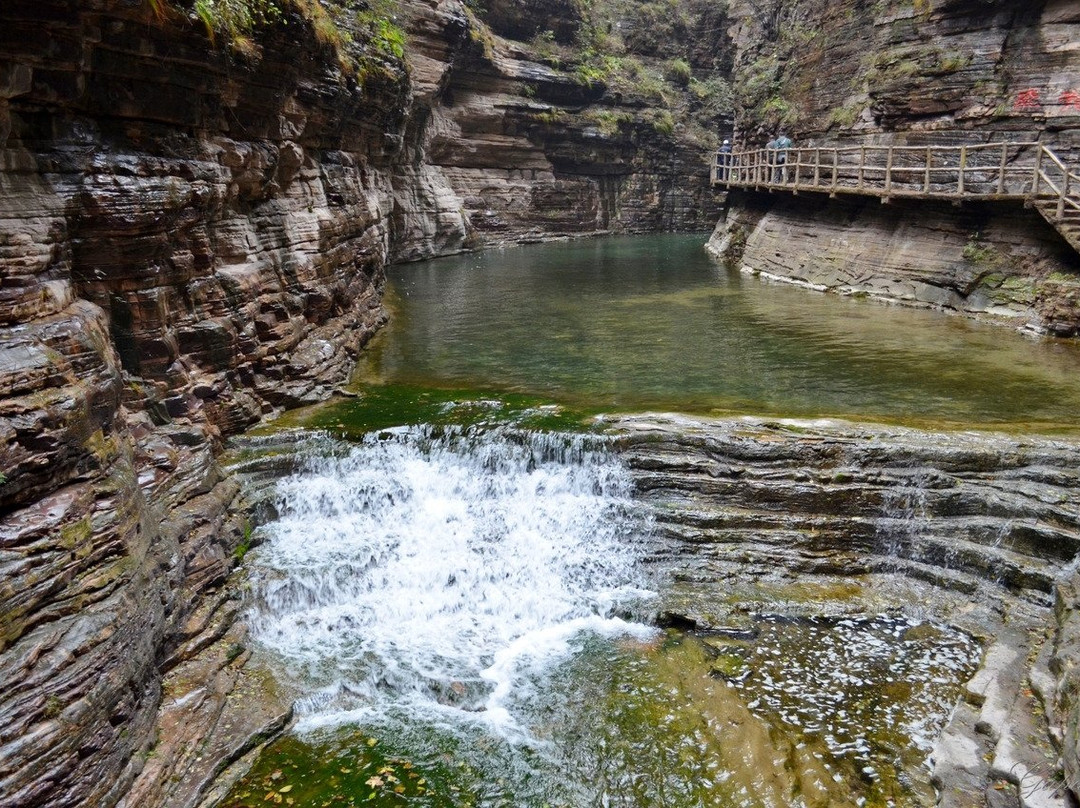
point(979, 531)
point(817, 568)
point(194, 236)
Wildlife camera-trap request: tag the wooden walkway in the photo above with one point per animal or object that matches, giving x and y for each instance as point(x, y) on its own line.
point(1028, 172)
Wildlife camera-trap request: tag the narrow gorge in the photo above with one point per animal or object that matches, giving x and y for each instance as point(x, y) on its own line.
point(205, 209)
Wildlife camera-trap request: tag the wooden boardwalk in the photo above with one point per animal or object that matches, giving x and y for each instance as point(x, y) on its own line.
point(1027, 172)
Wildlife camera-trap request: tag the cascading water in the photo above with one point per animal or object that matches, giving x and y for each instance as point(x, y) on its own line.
point(428, 573)
point(905, 520)
point(457, 602)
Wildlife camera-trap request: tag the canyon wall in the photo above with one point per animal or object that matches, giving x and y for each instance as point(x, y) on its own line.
point(191, 238)
point(930, 72)
point(194, 235)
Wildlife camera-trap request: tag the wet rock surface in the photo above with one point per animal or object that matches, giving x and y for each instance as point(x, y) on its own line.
point(191, 238)
point(996, 262)
point(827, 519)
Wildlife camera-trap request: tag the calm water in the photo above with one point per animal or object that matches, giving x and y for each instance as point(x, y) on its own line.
point(620, 324)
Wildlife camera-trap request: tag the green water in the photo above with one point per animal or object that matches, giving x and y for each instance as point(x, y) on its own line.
point(652, 323)
point(698, 720)
point(546, 337)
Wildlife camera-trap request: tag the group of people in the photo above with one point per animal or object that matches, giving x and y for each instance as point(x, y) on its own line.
point(777, 149)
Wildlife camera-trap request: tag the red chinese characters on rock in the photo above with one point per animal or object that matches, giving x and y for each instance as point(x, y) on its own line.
point(1027, 100)
point(1070, 99)
point(1030, 100)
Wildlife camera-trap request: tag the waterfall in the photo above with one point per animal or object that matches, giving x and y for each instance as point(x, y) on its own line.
point(435, 570)
point(904, 516)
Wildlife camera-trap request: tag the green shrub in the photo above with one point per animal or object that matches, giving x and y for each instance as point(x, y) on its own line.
point(234, 20)
point(53, 706)
point(608, 121)
point(663, 122)
point(953, 61)
point(985, 255)
point(845, 116)
point(679, 73)
point(245, 543)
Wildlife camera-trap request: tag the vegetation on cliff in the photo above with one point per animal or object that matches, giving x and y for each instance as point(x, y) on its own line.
point(362, 35)
point(655, 63)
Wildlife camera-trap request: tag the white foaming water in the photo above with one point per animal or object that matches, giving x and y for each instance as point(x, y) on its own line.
point(441, 573)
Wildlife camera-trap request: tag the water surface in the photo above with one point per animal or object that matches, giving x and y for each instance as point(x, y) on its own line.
point(458, 595)
point(463, 617)
point(652, 323)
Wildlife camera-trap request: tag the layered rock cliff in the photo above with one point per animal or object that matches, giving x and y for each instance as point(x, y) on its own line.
point(931, 72)
point(191, 238)
point(194, 235)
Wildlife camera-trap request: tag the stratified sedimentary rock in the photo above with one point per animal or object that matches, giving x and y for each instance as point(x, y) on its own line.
point(947, 73)
point(193, 234)
point(986, 528)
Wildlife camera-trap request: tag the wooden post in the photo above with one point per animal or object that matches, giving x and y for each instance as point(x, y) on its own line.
point(1001, 168)
point(798, 165)
point(929, 162)
point(1064, 193)
point(888, 171)
point(835, 161)
point(817, 167)
point(862, 165)
point(1038, 172)
point(963, 167)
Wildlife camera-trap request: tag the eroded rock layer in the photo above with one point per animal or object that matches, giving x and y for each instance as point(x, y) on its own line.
point(192, 235)
point(189, 240)
point(993, 260)
point(984, 528)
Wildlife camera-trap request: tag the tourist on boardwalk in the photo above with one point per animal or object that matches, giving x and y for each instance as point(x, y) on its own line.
point(723, 160)
point(781, 145)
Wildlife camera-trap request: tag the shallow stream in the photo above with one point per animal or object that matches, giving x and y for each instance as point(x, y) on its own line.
point(457, 589)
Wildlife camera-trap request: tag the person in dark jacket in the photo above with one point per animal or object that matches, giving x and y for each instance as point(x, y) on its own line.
point(723, 160)
point(781, 145)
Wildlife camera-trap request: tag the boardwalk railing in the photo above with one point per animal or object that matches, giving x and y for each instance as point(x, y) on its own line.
point(999, 170)
point(1056, 184)
point(1026, 171)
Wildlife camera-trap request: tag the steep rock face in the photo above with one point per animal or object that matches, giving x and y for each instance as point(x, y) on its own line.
point(190, 239)
point(984, 260)
point(944, 72)
point(522, 150)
